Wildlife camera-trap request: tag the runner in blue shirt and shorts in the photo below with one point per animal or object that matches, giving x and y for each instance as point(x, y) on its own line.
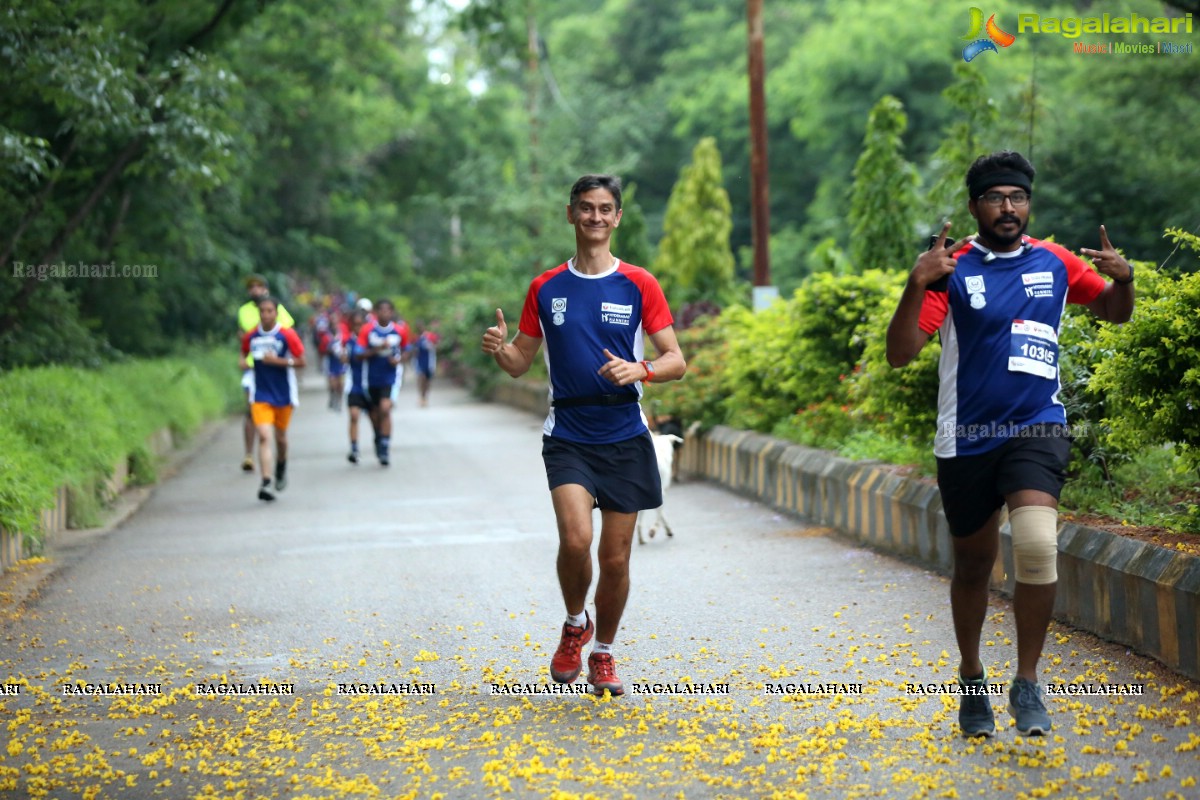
point(593, 313)
point(996, 299)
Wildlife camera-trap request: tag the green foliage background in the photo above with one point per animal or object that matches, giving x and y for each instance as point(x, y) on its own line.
point(423, 151)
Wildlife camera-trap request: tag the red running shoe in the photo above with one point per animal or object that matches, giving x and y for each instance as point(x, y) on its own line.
point(567, 663)
point(602, 674)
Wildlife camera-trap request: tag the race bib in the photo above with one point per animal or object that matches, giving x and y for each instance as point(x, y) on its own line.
point(1033, 349)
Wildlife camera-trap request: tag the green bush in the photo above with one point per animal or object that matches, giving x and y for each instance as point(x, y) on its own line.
point(698, 397)
point(822, 425)
point(1151, 372)
point(1081, 348)
point(26, 484)
point(68, 426)
point(800, 352)
point(901, 403)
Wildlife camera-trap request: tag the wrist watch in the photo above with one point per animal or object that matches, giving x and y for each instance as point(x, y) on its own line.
point(1128, 280)
point(649, 367)
point(291, 362)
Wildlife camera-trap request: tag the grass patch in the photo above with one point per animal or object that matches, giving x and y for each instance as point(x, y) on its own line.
point(68, 426)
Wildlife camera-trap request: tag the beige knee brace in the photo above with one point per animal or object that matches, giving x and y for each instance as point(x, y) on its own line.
point(1035, 543)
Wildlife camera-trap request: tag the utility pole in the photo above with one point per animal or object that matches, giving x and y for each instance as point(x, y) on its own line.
point(760, 208)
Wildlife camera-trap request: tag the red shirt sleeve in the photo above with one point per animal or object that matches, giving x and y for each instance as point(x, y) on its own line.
point(933, 311)
point(246, 341)
point(363, 332)
point(405, 334)
point(656, 313)
point(1084, 284)
point(530, 323)
point(295, 345)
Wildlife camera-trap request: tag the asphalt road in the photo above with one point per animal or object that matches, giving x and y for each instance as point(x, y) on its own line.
point(435, 577)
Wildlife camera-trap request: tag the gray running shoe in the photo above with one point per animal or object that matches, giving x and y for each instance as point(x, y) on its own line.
point(1026, 705)
point(975, 715)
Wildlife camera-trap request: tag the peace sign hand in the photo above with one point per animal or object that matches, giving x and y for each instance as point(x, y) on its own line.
point(937, 261)
point(1107, 260)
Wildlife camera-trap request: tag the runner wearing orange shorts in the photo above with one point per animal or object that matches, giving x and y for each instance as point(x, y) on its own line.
point(275, 352)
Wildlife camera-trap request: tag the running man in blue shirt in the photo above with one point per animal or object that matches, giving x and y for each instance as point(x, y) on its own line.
point(1001, 437)
point(382, 343)
point(593, 313)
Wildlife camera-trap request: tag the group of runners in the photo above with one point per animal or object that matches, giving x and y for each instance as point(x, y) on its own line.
point(994, 297)
point(368, 343)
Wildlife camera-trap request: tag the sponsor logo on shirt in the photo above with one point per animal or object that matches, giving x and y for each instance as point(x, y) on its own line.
point(1038, 284)
point(558, 306)
point(615, 313)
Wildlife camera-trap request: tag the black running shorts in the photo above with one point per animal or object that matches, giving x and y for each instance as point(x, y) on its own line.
point(622, 476)
point(973, 487)
point(377, 394)
point(358, 400)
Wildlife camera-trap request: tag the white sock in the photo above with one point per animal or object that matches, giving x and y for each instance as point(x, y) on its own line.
point(577, 620)
point(601, 647)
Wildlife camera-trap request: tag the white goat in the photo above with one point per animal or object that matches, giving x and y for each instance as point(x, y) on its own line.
point(664, 450)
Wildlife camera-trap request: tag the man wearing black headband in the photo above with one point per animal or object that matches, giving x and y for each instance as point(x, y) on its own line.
point(996, 300)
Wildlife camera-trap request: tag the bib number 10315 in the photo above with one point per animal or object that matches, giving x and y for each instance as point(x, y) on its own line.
point(1033, 349)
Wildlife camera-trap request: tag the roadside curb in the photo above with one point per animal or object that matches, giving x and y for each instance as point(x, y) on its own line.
point(1122, 589)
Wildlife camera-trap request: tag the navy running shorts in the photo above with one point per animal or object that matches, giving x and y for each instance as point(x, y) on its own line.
point(621, 476)
point(973, 487)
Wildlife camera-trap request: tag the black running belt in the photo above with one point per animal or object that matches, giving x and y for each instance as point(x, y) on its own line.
point(594, 400)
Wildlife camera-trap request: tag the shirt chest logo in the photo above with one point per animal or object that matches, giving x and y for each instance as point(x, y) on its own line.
point(558, 308)
point(1038, 284)
point(976, 288)
point(615, 313)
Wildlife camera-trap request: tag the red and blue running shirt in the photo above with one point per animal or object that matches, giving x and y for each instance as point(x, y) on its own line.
point(380, 372)
point(274, 385)
point(579, 316)
point(999, 322)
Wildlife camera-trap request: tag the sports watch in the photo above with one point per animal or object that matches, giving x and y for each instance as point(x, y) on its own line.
point(649, 367)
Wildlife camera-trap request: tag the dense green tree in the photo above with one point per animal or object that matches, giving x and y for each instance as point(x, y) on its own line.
point(883, 198)
point(694, 258)
point(964, 140)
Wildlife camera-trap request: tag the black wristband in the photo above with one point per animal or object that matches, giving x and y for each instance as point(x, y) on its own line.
point(1128, 280)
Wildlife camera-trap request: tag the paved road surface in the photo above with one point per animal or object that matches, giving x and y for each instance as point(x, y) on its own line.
point(438, 575)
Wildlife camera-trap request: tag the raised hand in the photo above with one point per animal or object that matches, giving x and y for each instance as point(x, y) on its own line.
point(495, 337)
point(938, 260)
point(1107, 260)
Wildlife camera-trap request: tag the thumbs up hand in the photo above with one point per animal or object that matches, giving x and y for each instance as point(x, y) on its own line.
point(495, 337)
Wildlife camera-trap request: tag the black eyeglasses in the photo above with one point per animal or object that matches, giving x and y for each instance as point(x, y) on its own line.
point(996, 199)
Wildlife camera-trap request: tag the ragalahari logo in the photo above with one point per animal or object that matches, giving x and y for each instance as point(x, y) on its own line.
point(978, 44)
